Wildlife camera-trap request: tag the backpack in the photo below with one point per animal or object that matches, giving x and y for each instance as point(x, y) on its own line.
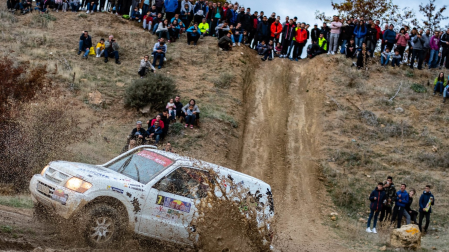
point(125, 16)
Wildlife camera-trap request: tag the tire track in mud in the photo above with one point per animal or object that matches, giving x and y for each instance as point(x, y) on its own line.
point(280, 146)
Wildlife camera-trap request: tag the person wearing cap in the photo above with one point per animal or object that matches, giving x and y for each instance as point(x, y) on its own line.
point(138, 133)
point(335, 33)
point(315, 33)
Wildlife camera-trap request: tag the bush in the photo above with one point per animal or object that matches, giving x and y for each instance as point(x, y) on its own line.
point(418, 88)
point(176, 128)
point(224, 81)
point(156, 91)
point(42, 20)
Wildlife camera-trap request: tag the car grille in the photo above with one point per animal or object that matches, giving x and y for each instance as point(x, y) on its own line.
point(55, 176)
point(50, 191)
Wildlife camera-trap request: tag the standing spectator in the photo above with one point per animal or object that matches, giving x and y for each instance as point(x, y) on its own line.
point(288, 32)
point(402, 39)
point(159, 5)
point(276, 29)
point(335, 34)
point(263, 31)
point(426, 46)
point(439, 84)
point(85, 44)
point(315, 32)
point(193, 34)
point(159, 51)
point(379, 32)
point(170, 8)
point(186, 12)
point(345, 35)
point(371, 38)
point(382, 45)
point(162, 30)
point(225, 42)
point(300, 42)
point(145, 6)
point(390, 196)
point(376, 197)
point(145, 65)
point(390, 37)
point(434, 50)
point(402, 199)
point(418, 50)
point(413, 34)
point(111, 50)
point(426, 201)
point(445, 53)
point(326, 31)
point(410, 214)
point(360, 32)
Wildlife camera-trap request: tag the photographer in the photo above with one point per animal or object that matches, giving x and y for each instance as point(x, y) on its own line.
point(193, 34)
point(145, 65)
point(111, 50)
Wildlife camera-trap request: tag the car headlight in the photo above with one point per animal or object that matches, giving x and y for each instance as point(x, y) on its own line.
point(44, 170)
point(78, 185)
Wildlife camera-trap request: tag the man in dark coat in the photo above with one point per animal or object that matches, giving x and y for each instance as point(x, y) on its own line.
point(376, 197)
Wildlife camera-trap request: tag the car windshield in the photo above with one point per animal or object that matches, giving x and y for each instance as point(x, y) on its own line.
point(141, 166)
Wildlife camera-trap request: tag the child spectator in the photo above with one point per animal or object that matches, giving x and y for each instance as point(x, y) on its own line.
point(193, 34)
point(99, 49)
point(144, 66)
point(261, 48)
point(159, 51)
point(135, 15)
point(351, 49)
point(245, 38)
point(225, 42)
point(147, 21)
point(439, 84)
point(278, 50)
point(171, 110)
point(396, 58)
point(268, 52)
point(385, 57)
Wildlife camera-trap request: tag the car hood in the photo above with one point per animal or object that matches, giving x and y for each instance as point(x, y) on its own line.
point(86, 172)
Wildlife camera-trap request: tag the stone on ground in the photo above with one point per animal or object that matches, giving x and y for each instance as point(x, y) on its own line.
point(408, 236)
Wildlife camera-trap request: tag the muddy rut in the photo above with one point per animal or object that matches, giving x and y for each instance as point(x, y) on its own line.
point(280, 145)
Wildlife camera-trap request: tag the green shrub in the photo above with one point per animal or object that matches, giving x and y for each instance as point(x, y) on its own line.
point(156, 91)
point(176, 128)
point(82, 15)
point(224, 81)
point(42, 20)
point(418, 88)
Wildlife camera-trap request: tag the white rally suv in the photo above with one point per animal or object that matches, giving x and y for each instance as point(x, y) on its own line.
point(151, 192)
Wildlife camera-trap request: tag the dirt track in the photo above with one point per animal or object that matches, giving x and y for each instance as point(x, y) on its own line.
point(280, 146)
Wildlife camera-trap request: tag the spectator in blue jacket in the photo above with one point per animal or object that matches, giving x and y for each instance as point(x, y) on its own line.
point(193, 34)
point(377, 198)
point(360, 32)
point(402, 198)
point(170, 8)
point(426, 201)
point(135, 15)
point(199, 11)
point(85, 44)
point(390, 37)
point(159, 51)
point(155, 132)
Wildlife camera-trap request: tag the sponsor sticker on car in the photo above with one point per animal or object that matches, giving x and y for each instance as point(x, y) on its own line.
point(173, 203)
point(60, 196)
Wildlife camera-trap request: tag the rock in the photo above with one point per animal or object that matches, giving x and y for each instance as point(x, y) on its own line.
point(334, 213)
point(334, 218)
point(382, 126)
point(120, 84)
point(363, 220)
point(408, 236)
point(434, 148)
point(399, 110)
point(434, 248)
point(83, 80)
point(145, 110)
point(95, 98)
point(383, 248)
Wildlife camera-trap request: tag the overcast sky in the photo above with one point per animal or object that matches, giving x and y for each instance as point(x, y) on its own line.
point(305, 10)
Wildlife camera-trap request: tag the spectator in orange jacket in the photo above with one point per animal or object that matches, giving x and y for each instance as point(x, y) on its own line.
point(276, 29)
point(301, 40)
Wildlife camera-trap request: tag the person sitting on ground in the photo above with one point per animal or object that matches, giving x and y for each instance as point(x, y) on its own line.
point(439, 84)
point(99, 49)
point(182, 27)
point(396, 58)
point(245, 38)
point(204, 28)
point(145, 66)
point(222, 29)
point(25, 6)
point(318, 47)
point(351, 49)
point(156, 21)
point(147, 21)
point(138, 133)
point(85, 44)
point(446, 91)
point(155, 132)
point(410, 214)
point(225, 42)
point(156, 119)
point(262, 48)
point(237, 32)
point(153, 11)
point(193, 34)
point(176, 17)
point(92, 6)
point(376, 197)
point(135, 15)
point(74, 5)
point(111, 50)
point(269, 52)
point(162, 30)
point(165, 118)
point(159, 51)
point(179, 106)
point(278, 50)
point(194, 113)
point(171, 110)
point(426, 201)
point(385, 57)
point(174, 31)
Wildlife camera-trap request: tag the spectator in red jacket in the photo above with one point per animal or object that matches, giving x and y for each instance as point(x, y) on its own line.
point(301, 40)
point(276, 29)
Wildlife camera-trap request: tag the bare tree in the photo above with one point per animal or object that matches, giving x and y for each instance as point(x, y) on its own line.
point(375, 9)
point(400, 17)
point(433, 15)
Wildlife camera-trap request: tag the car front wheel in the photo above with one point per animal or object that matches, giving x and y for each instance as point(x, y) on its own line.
point(104, 227)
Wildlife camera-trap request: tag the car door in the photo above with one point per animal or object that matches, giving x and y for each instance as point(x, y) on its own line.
point(170, 205)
